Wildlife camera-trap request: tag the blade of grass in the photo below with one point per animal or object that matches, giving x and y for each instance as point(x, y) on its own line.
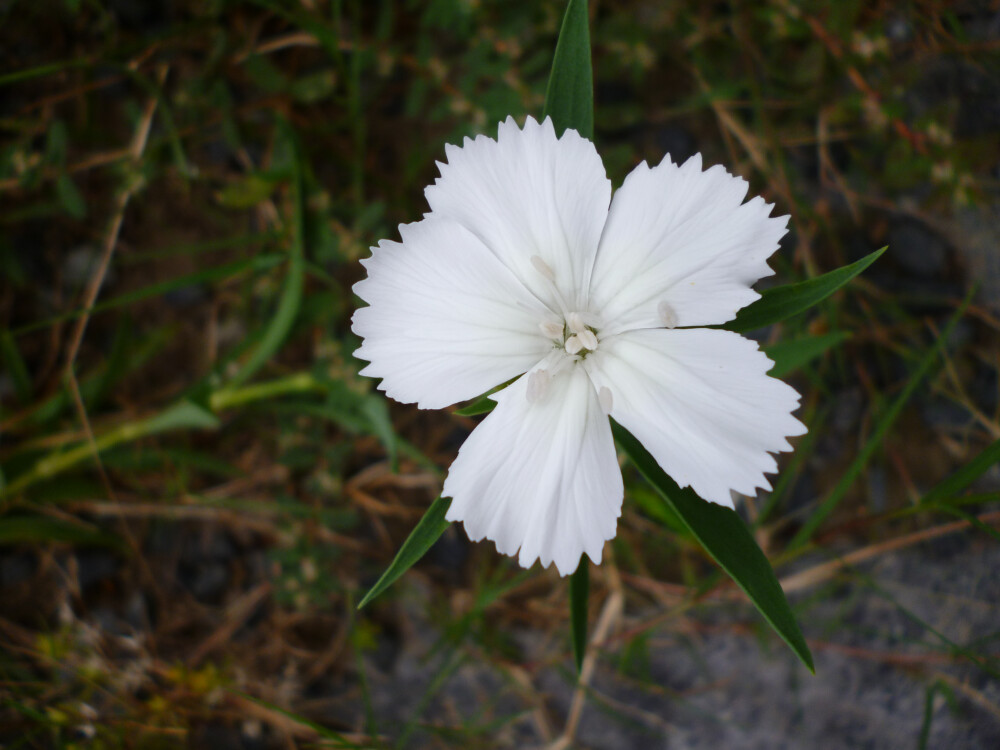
point(451, 663)
point(579, 591)
point(980, 660)
point(973, 521)
point(853, 471)
point(427, 531)
point(803, 450)
point(49, 409)
point(727, 540)
point(336, 738)
point(155, 90)
point(569, 99)
point(14, 365)
point(783, 302)
point(789, 356)
point(291, 297)
point(965, 476)
point(182, 415)
point(42, 70)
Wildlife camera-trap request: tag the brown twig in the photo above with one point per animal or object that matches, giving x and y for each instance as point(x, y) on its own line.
point(136, 149)
point(610, 615)
point(236, 615)
point(824, 572)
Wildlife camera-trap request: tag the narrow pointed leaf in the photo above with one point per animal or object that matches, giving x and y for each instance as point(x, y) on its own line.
point(783, 302)
point(482, 405)
point(14, 366)
point(885, 422)
point(789, 356)
point(569, 99)
point(70, 197)
point(579, 591)
point(728, 540)
point(291, 295)
point(423, 536)
point(965, 476)
point(182, 415)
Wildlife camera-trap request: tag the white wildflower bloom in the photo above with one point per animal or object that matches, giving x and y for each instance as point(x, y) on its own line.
point(526, 266)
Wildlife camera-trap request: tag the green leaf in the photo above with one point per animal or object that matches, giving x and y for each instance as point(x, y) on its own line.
point(247, 192)
point(569, 99)
point(182, 415)
point(789, 356)
point(43, 70)
point(13, 364)
point(291, 296)
point(423, 536)
point(56, 143)
point(965, 476)
point(70, 198)
point(579, 591)
point(969, 518)
point(783, 302)
point(728, 540)
point(482, 405)
point(882, 427)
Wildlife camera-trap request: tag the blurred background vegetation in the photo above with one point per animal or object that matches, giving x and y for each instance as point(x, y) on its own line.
point(197, 487)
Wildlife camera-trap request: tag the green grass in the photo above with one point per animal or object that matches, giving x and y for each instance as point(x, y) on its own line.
point(222, 424)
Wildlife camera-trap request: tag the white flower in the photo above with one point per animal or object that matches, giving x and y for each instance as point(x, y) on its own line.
point(525, 266)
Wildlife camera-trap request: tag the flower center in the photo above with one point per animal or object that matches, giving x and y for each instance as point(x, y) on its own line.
point(574, 336)
point(575, 332)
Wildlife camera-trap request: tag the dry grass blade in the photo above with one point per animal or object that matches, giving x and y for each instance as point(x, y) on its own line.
point(812, 576)
point(610, 615)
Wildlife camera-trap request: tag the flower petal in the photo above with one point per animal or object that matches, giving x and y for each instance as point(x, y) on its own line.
point(446, 320)
point(542, 476)
point(700, 402)
point(528, 194)
point(679, 249)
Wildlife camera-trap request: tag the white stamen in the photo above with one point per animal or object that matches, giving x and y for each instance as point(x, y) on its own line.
point(538, 386)
point(604, 396)
point(573, 345)
point(588, 339)
point(552, 330)
point(543, 268)
point(575, 322)
point(668, 316)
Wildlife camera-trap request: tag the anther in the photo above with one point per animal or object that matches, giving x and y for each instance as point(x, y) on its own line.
point(588, 339)
point(575, 322)
point(573, 345)
point(667, 314)
point(543, 268)
point(538, 386)
point(604, 396)
point(552, 330)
